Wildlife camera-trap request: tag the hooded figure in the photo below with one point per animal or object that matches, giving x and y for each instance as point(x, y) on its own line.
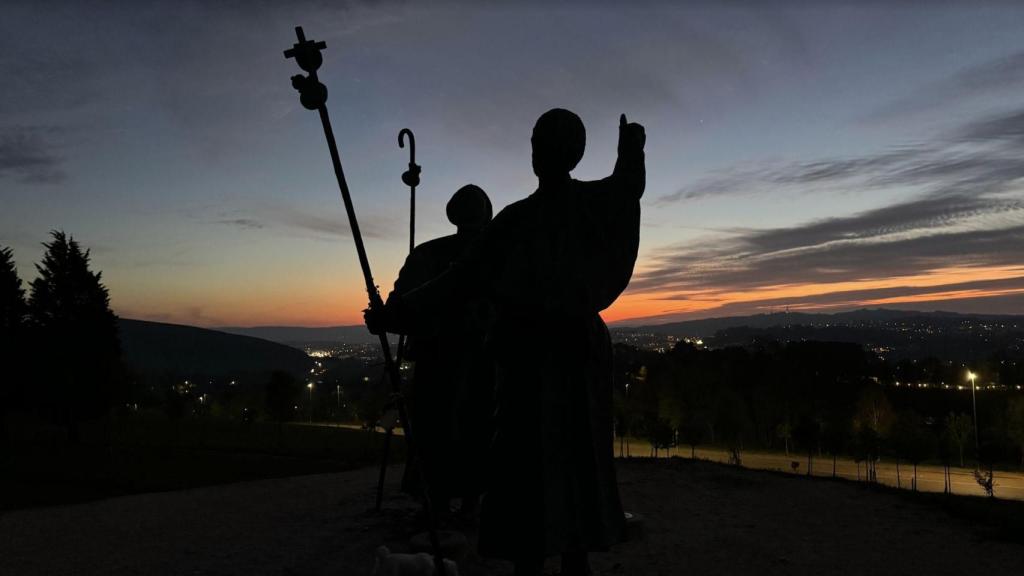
point(549, 264)
point(452, 389)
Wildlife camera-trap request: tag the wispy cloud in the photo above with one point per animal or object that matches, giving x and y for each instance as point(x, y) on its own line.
point(245, 223)
point(288, 219)
point(996, 75)
point(981, 156)
point(968, 214)
point(29, 154)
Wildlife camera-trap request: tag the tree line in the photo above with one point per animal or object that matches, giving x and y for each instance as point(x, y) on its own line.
point(62, 360)
point(814, 398)
point(62, 355)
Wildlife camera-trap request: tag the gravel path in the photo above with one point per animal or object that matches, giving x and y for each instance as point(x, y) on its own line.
point(701, 518)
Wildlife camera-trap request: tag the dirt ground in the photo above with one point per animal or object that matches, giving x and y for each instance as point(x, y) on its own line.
point(700, 518)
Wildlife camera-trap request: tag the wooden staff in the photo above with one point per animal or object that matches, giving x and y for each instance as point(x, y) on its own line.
point(411, 178)
point(313, 96)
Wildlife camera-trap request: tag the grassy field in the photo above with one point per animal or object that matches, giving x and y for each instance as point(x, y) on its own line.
point(132, 455)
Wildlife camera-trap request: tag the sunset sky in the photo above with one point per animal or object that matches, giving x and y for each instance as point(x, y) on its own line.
point(826, 158)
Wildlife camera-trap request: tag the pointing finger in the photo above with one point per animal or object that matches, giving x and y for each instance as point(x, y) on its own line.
point(622, 120)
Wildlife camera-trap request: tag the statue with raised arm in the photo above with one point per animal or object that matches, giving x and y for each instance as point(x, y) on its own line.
point(549, 264)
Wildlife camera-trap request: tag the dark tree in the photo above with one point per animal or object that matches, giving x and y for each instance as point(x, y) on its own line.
point(912, 441)
point(282, 395)
point(784, 431)
point(12, 333)
point(1015, 426)
point(692, 429)
point(958, 429)
point(660, 434)
point(836, 437)
point(733, 422)
point(872, 423)
point(75, 330)
point(808, 434)
point(12, 297)
point(984, 474)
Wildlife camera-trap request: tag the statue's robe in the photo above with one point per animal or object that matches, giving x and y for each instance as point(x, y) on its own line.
point(452, 405)
point(549, 264)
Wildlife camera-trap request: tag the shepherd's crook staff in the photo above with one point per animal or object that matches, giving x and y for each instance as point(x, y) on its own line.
point(313, 96)
point(411, 178)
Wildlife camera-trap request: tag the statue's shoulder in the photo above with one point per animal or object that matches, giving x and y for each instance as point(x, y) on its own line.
point(437, 245)
point(515, 212)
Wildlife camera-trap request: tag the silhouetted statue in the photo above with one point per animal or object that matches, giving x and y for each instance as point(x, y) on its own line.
point(452, 392)
point(549, 264)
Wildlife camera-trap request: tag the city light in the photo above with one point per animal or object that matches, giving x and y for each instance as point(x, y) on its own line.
point(310, 386)
point(974, 405)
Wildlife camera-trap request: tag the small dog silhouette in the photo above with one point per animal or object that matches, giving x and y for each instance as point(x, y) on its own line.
point(422, 564)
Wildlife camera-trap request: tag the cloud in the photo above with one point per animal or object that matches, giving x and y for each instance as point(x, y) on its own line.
point(968, 213)
point(245, 223)
point(331, 224)
point(980, 157)
point(981, 301)
point(29, 155)
point(1007, 127)
point(872, 245)
point(858, 297)
point(1000, 74)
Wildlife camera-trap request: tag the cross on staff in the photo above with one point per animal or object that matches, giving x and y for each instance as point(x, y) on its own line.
point(313, 96)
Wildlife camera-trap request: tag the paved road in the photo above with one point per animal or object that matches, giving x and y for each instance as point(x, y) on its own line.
point(929, 478)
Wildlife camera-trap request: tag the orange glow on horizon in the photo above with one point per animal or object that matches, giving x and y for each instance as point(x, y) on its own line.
point(327, 304)
point(638, 305)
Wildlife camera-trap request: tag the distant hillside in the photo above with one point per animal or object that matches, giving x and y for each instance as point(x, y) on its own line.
point(157, 349)
point(297, 336)
point(893, 333)
point(870, 317)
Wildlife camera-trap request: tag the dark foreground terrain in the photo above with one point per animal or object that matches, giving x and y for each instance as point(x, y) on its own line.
point(701, 518)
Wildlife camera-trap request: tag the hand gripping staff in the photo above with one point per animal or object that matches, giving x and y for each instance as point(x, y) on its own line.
point(313, 96)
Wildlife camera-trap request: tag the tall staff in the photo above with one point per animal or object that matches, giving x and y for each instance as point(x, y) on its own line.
point(313, 96)
point(410, 178)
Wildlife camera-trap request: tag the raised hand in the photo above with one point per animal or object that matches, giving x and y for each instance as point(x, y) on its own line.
point(631, 137)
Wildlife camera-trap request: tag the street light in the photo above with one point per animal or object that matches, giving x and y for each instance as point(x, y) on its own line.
point(310, 386)
point(974, 404)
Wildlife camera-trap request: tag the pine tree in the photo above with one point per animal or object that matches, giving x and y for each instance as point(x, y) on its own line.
point(12, 333)
point(69, 311)
point(12, 297)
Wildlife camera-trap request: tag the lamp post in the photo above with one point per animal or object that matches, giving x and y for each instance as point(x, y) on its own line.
point(974, 405)
point(310, 386)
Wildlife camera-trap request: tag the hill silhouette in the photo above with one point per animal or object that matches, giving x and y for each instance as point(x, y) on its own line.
point(158, 349)
point(863, 316)
point(899, 333)
point(299, 335)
